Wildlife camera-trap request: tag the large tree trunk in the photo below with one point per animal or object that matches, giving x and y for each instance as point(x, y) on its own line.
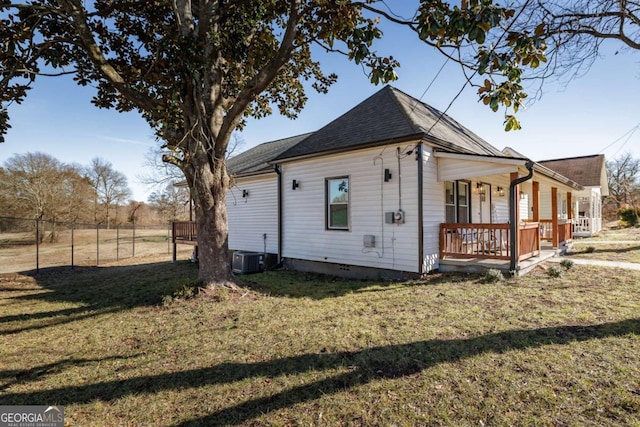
point(210, 183)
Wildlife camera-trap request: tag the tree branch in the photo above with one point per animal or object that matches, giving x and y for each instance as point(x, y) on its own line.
point(77, 12)
point(263, 77)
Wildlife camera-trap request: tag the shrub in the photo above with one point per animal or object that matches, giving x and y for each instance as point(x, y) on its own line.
point(554, 272)
point(590, 249)
point(186, 291)
point(492, 276)
point(628, 216)
point(566, 263)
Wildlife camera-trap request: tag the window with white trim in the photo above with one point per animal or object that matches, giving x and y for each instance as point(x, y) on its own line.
point(457, 201)
point(337, 201)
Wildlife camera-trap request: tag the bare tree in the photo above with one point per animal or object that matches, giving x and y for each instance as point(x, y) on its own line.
point(110, 188)
point(574, 32)
point(172, 202)
point(38, 185)
point(624, 180)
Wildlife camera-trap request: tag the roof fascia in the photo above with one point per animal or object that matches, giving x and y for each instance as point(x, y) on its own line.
point(253, 174)
point(543, 170)
point(481, 158)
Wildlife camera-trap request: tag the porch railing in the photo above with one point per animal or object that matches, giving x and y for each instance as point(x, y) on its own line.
point(474, 241)
point(487, 241)
point(546, 229)
point(586, 225)
point(184, 230)
point(529, 242)
point(564, 231)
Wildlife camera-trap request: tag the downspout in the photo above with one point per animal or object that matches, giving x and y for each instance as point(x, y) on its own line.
point(419, 158)
point(513, 238)
point(278, 170)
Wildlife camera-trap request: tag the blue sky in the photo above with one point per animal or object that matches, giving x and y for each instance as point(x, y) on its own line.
point(583, 118)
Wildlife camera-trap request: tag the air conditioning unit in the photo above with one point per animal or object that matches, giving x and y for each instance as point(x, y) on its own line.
point(246, 262)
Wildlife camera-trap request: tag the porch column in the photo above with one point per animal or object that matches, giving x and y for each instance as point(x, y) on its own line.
point(535, 206)
point(569, 214)
point(514, 176)
point(554, 216)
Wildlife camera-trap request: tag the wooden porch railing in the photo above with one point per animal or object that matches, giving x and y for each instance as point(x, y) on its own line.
point(564, 231)
point(487, 241)
point(184, 230)
point(546, 230)
point(529, 243)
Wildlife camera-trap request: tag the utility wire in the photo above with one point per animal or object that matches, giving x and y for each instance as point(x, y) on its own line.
point(630, 131)
point(476, 70)
point(627, 140)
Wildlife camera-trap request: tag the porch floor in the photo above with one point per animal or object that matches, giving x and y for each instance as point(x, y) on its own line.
point(481, 265)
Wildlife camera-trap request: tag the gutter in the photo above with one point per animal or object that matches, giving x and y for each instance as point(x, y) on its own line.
point(278, 170)
point(420, 210)
point(513, 238)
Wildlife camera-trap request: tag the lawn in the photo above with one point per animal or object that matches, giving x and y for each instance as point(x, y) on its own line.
point(116, 347)
point(620, 252)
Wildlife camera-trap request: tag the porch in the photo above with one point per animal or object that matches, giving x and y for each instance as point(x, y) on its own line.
point(476, 248)
point(184, 232)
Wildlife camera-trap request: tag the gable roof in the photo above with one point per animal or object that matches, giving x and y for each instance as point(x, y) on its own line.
point(386, 116)
point(586, 170)
point(256, 159)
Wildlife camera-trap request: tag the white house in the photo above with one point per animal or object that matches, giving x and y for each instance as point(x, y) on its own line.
point(392, 188)
point(591, 173)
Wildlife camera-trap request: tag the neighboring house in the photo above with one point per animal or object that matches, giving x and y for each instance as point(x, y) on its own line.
point(393, 188)
point(591, 173)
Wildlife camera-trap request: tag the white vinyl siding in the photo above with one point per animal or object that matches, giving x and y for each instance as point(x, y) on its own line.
point(433, 210)
point(251, 217)
point(304, 212)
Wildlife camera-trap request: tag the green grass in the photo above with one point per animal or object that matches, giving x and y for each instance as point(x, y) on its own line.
point(297, 349)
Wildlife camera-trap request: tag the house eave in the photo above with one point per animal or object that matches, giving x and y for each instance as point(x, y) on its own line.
point(263, 172)
point(543, 170)
point(481, 157)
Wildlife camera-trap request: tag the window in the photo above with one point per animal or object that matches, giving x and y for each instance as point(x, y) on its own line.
point(337, 190)
point(450, 201)
point(457, 206)
point(463, 202)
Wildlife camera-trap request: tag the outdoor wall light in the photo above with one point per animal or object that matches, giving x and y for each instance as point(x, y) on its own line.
point(295, 184)
point(523, 196)
point(480, 187)
point(245, 194)
point(387, 175)
point(500, 191)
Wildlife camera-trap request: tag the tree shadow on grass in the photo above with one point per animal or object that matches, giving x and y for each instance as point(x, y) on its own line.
point(95, 290)
point(10, 378)
point(617, 250)
point(362, 367)
point(293, 284)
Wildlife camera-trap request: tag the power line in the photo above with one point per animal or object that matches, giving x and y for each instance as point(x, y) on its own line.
point(630, 132)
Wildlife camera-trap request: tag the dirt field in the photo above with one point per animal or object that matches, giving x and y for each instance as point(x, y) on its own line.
point(18, 251)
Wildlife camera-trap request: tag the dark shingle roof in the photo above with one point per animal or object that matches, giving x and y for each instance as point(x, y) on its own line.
point(257, 159)
point(389, 115)
point(586, 170)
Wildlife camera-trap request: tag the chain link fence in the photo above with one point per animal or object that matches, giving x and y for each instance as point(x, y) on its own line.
point(32, 244)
